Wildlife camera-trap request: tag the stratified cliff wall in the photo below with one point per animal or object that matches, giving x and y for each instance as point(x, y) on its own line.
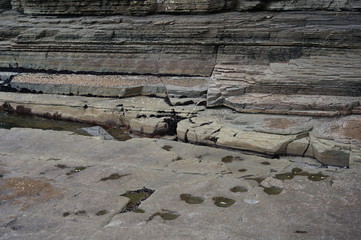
point(133, 7)
point(266, 52)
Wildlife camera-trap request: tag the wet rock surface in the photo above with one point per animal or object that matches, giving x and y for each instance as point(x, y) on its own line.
point(40, 201)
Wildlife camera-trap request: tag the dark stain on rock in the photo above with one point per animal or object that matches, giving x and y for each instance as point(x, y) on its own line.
point(76, 170)
point(190, 199)
point(102, 212)
point(23, 110)
point(7, 107)
point(298, 231)
point(242, 170)
point(167, 147)
point(223, 202)
point(265, 163)
point(227, 159)
point(80, 213)
point(65, 214)
point(61, 166)
point(238, 189)
point(135, 198)
point(114, 176)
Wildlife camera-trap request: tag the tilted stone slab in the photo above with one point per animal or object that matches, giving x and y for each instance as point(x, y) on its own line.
point(312, 105)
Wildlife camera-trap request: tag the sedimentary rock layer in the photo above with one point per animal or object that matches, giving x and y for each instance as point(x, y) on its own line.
point(89, 7)
point(296, 47)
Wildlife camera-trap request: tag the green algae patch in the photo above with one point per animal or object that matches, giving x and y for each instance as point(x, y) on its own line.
point(237, 189)
point(273, 190)
point(223, 202)
point(114, 176)
point(135, 198)
point(190, 199)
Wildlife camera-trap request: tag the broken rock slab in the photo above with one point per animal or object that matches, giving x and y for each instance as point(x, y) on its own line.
point(219, 132)
point(149, 126)
point(330, 152)
point(210, 132)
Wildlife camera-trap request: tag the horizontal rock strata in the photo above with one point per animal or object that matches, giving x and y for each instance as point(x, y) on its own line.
point(112, 85)
point(187, 45)
point(89, 7)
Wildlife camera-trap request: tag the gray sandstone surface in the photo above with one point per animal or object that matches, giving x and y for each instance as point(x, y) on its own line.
point(43, 198)
point(270, 89)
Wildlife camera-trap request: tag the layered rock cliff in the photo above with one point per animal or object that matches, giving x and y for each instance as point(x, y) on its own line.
point(133, 7)
point(265, 52)
point(251, 56)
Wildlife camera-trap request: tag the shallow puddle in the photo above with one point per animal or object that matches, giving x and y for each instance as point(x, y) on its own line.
point(273, 190)
point(190, 199)
point(10, 120)
point(76, 170)
point(165, 215)
point(135, 198)
point(223, 202)
point(299, 172)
